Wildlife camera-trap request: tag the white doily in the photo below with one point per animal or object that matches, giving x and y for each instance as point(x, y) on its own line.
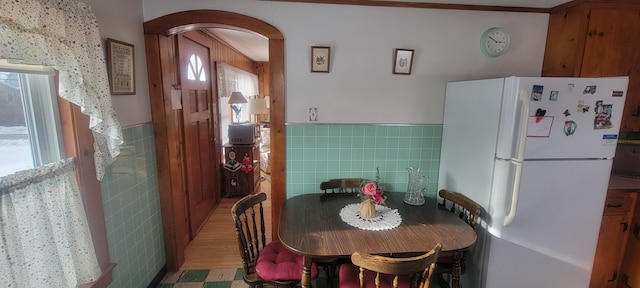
point(387, 218)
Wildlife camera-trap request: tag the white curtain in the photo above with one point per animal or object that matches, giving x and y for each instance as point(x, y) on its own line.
point(64, 34)
point(232, 79)
point(44, 235)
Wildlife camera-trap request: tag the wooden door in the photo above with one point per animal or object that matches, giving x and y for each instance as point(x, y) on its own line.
point(195, 78)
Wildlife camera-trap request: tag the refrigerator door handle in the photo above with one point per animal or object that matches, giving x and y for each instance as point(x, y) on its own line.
point(524, 119)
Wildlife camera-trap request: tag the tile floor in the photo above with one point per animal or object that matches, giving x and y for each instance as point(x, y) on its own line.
point(214, 278)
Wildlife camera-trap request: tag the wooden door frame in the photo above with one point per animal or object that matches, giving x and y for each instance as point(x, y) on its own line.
point(170, 177)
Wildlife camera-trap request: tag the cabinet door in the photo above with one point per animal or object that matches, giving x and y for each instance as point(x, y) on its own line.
point(631, 264)
point(611, 49)
point(614, 230)
point(565, 42)
point(609, 252)
point(241, 169)
point(631, 268)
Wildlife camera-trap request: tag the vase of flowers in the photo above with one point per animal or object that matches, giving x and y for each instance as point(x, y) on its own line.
point(371, 194)
point(368, 209)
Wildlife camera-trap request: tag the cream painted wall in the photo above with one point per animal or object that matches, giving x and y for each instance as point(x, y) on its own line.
point(122, 20)
point(360, 87)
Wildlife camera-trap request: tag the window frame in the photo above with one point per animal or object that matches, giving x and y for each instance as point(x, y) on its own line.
point(76, 140)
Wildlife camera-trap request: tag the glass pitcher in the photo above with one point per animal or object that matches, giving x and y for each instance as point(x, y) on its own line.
point(416, 187)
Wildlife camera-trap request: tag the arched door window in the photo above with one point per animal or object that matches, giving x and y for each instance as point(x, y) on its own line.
point(195, 69)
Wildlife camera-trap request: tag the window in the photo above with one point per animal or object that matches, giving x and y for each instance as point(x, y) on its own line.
point(29, 123)
point(196, 69)
point(232, 79)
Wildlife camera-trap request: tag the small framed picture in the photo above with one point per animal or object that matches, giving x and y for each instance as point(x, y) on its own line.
point(402, 60)
point(320, 58)
point(120, 67)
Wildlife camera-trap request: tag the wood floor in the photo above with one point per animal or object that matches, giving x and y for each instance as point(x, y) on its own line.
point(216, 246)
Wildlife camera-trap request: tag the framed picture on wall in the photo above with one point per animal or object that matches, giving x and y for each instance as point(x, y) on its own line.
point(320, 58)
point(120, 66)
point(402, 60)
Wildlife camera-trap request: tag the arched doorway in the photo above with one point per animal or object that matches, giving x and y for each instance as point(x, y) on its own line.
point(169, 176)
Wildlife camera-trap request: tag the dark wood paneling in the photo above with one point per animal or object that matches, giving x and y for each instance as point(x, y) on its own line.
point(565, 42)
point(613, 49)
point(161, 59)
point(196, 19)
point(223, 53)
point(598, 39)
point(277, 114)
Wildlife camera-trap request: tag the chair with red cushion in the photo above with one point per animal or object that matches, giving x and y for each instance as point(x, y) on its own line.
point(379, 271)
point(264, 262)
point(467, 210)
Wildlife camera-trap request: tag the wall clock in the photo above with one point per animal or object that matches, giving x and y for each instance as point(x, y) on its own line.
point(495, 42)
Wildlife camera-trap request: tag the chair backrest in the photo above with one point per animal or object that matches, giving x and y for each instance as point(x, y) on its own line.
point(248, 216)
point(341, 185)
point(461, 205)
point(419, 268)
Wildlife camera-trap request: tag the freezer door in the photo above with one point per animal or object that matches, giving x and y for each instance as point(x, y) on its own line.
point(471, 115)
point(556, 225)
point(573, 117)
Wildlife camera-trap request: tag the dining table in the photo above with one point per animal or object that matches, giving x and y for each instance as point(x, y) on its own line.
point(312, 225)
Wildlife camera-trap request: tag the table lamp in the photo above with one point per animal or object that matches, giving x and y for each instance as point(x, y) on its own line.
point(235, 99)
point(258, 106)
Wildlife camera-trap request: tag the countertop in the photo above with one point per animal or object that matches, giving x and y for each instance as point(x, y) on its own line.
point(624, 183)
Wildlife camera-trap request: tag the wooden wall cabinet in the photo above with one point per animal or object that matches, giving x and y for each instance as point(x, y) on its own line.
point(242, 176)
point(614, 232)
point(596, 39)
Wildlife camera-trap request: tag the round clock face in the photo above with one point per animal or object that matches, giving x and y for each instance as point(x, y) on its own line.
point(495, 42)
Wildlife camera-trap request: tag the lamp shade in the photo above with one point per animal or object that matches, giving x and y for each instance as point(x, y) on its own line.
point(258, 106)
point(237, 98)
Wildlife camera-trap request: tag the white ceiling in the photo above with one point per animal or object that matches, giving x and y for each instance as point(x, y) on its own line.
point(256, 46)
point(252, 45)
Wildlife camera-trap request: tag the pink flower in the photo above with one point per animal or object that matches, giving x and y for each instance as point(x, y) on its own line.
point(369, 189)
point(377, 197)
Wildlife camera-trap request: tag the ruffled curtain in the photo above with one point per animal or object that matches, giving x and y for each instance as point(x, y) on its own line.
point(64, 34)
point(232, 79)
point(44, 236)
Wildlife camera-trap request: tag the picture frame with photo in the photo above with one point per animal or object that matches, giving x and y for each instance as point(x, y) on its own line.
point(320, 58)
point(402, 61)
point(121, 67)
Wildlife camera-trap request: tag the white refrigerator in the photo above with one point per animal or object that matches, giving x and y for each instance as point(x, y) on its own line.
point(536, 154)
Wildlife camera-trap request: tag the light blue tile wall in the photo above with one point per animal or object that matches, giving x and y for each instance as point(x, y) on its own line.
point(132, 211)
point(316, 153)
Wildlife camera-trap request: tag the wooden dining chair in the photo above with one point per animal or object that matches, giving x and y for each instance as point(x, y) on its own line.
point(381, 271)
point(341, 185)
point(331, 188)
point(467, 210)
point(264, 263)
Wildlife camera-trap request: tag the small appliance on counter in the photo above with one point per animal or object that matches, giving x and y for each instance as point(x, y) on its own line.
point(243, 133)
